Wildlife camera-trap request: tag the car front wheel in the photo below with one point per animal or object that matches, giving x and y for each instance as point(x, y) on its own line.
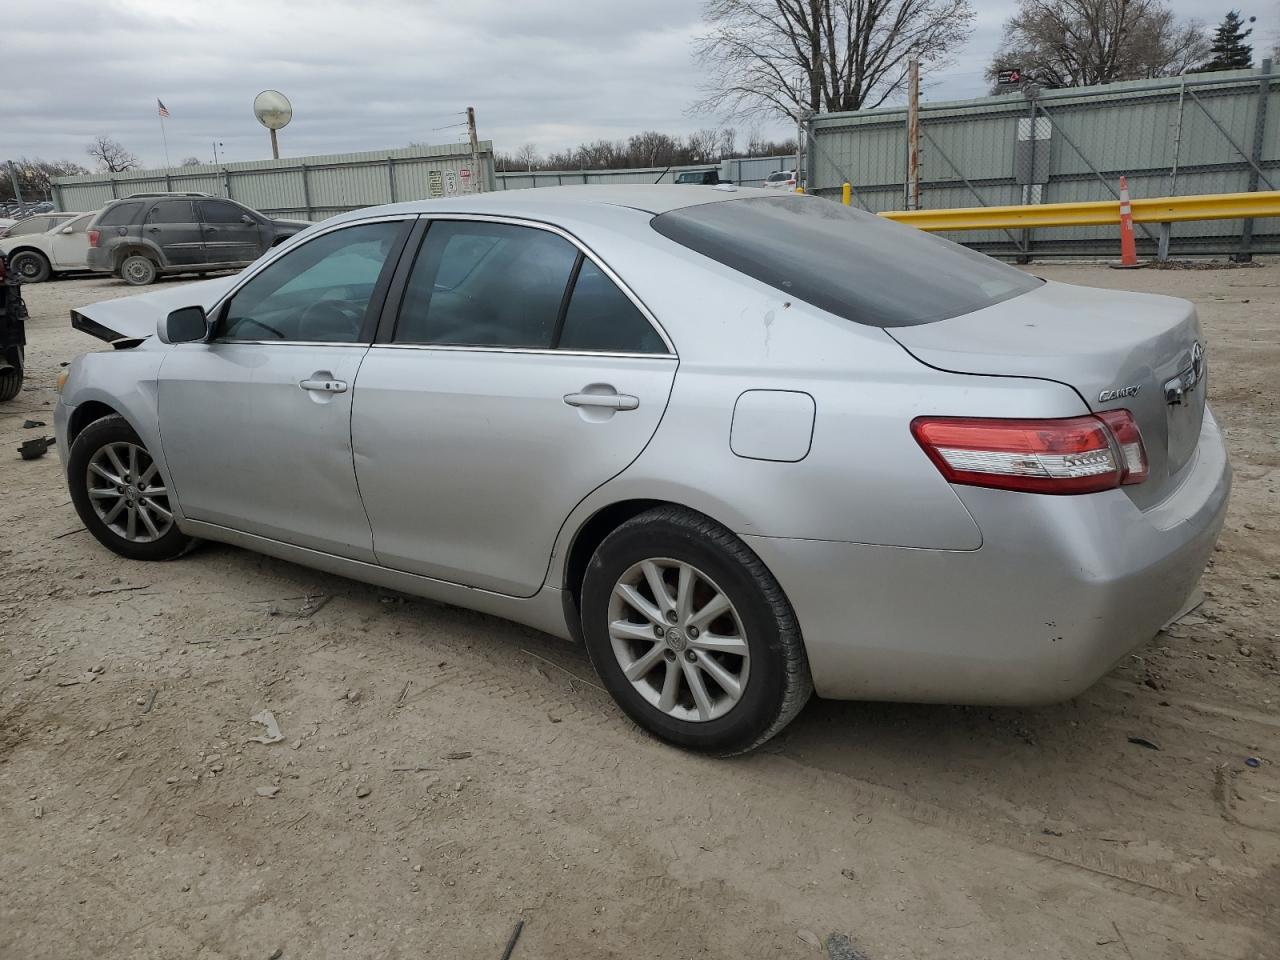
point(32, 267)
point(691, 634)
point(120, 495)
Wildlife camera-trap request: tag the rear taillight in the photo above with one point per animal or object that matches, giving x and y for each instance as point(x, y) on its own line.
point(1133, 455)
point(2, 268)
point(1072, 455)
point(93, 238)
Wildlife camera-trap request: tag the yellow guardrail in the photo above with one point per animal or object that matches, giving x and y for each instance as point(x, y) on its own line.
point(1095, 213)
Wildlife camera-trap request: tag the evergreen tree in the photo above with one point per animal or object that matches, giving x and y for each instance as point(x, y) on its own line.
point(1230, 52)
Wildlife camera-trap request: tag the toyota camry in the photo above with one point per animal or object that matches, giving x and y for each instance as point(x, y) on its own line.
point(744, 446)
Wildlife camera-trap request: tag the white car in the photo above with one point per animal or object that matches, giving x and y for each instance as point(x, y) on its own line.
point(781, 180)
point(36, 257)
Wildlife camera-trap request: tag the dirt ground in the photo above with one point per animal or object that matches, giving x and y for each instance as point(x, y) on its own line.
point(444, 774)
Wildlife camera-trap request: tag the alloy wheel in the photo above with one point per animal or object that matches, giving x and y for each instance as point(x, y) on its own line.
point(679, 639)
point(128, 493)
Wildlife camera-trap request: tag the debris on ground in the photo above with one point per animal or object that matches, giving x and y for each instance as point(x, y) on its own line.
point(35, 448)
point(268, 720)
point(839, 948)
point(511, 943)
point(268, 792)
point(363, 791)
point(1144, 742)
point(32, 424)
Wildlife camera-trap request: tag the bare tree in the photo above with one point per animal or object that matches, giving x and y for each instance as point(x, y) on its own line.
point(528, 156)
point(1074, 43)
point(35, 177)
point(111, 155)
point(844, 54)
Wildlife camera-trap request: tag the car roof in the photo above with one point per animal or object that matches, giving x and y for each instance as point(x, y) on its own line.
point(548, 201)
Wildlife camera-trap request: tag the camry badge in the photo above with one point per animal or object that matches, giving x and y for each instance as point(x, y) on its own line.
point(1119, 393)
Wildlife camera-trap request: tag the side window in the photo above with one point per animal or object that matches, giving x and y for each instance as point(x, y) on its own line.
point(601, 317)
point(33, 225)
point(120, 214)
point(318, 292)
point(172, 211)
point(486, 284)
point(220, 211)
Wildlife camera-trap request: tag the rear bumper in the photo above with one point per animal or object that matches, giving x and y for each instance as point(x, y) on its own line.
point(1061, 589)
point(99, 259)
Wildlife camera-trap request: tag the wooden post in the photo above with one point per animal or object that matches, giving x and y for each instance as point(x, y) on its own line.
point(913, 137)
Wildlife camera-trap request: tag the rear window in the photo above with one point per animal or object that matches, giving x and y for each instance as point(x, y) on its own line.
point(854, 264)
point(121, 213)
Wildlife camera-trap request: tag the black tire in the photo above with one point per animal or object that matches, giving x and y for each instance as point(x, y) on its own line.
point(11, 378)
point(778, 683)
point(138, 270)
point(31, 265)
point(93, 438)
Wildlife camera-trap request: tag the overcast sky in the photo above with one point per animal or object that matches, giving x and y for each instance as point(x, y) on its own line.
point(374, 74)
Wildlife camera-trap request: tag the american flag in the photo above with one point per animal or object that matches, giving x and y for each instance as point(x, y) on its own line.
point(164, 111)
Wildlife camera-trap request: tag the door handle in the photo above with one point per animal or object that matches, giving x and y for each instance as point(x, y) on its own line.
point(610, 401)
point(154, 229)
point(325, 386)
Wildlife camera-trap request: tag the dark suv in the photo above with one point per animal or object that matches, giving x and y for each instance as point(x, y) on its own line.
point(147, 234)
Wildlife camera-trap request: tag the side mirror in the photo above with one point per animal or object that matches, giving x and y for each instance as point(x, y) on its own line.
point(184, 325)
point(245, 218)
point(67, 230)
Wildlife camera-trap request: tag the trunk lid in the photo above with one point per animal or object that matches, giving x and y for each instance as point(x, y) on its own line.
point(1117, 350)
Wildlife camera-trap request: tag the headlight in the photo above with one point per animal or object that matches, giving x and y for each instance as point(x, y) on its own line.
point(63, 376)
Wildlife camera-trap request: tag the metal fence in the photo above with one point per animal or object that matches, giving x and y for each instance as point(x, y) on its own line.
point(749, 171)
point(312, 188)
point(1207, 133)
point(306, 188)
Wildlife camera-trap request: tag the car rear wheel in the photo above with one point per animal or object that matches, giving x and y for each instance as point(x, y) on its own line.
point(691, 634)
point(120, 495)
point(31, 266)
point(138, 270)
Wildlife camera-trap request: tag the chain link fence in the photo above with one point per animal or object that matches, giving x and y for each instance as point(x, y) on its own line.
point(1206, 133)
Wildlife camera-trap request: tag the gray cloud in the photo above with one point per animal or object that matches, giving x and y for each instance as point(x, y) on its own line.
point(368, 75)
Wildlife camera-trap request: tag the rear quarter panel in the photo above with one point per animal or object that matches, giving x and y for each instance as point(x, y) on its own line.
point(865, 479)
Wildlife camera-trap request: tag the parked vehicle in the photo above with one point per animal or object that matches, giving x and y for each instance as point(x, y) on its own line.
point(37, 224)
point(35, 257)
point(705, 177)
point(147, 234)
point(741, 444)
point(781, 180)
point(13, 336)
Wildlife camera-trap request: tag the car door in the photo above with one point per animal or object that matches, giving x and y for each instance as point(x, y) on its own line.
point(231, 233)
point(70, 245)
point(256, 423)
point(496, 398)
point(174, 226)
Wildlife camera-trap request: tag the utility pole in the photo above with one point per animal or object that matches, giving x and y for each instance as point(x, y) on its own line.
point(475, 150)
point(913, 136)
point(800, 187)
point(17, 191)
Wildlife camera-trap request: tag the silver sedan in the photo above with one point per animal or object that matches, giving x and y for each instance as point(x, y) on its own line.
point(743, 445)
